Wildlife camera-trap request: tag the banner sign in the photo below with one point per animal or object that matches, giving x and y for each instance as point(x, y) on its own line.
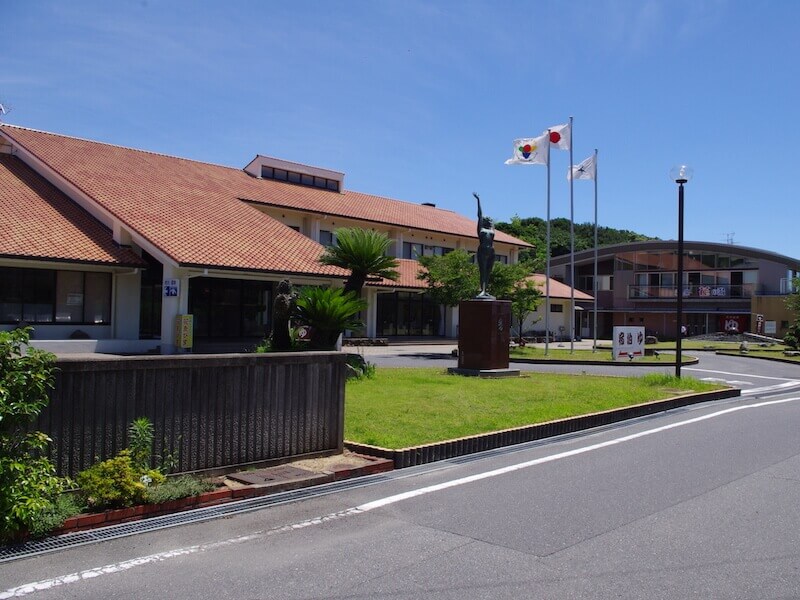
point(628, 342)
point(184, 331)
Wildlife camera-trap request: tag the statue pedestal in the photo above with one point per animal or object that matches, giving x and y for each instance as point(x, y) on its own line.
point(483, 338)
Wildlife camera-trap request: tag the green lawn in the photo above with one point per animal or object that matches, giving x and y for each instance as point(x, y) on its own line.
point(602, 354)
point(399, 408)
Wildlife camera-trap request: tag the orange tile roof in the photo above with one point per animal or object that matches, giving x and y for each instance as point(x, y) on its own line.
point(188, 209)
point(38, 221)
point(193, 211)
point(366, 207)
point(558, 289)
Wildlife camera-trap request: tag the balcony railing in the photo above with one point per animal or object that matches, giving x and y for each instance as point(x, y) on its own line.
point(699, 292)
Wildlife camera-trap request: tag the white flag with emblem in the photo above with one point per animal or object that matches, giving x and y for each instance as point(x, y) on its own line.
point(530, 151)
point(586, 170)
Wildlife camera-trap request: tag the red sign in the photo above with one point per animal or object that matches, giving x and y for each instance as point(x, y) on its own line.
point(734, 323)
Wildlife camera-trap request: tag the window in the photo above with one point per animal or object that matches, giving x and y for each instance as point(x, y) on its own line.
point(412, 251)
point(97, 298)
point(299, 178)
point(327, 238)
point(502, 258)
point(48, 296)
point(556, 308)
point(69, 297)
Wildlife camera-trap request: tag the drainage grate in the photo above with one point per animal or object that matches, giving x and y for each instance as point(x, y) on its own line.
point(81, 538)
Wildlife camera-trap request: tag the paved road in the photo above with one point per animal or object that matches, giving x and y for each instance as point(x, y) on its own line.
point(698, 502)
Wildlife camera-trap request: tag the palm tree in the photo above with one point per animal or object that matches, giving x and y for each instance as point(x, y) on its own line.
point(328, 311)
point(363, 253)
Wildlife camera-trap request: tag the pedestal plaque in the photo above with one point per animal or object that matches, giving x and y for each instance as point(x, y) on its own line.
point(483, 336)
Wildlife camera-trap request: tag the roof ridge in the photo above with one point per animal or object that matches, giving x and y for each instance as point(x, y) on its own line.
point(151, 152)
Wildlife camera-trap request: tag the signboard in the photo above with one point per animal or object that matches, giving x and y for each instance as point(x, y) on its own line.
point(184, 330)
point(171, 287)
point(760, 324)
point(734, 323)
point(770, 327)
point(628, 342)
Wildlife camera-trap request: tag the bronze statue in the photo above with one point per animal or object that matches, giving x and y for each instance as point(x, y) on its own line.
point(485, 256)
point(282, 310)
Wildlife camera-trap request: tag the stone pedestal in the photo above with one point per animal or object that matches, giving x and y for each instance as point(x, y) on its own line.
point(483, 338)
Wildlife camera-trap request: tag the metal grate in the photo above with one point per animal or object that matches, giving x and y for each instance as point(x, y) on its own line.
point(110, 532)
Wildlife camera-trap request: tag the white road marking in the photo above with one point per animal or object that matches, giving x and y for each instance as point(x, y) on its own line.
point(731, 382)
point(30, 588)
point(736, 374)
point(771, 388)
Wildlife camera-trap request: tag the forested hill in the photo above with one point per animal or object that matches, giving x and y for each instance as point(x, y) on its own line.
point(534, 231)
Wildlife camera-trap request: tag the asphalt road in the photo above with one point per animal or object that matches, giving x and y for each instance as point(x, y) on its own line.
point(698, 502)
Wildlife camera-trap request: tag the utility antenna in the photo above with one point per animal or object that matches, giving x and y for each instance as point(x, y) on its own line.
point(729, 237)
point(4, 109)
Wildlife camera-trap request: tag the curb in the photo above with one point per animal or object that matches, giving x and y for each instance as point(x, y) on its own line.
point(779, 359)
point(428, 453)
point(602, 363)
point(221, 496)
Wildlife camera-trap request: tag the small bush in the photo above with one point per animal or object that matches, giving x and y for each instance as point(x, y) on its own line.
point(64, 507)
point(116, 482)
point(179, 487)
point(358, 368)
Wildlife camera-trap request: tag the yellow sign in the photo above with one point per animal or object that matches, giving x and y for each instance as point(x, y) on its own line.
point(184, 328)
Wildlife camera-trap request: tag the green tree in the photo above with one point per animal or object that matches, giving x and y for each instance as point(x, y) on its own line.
point(328, 311)
point(525, 299)
point(363, 253)
point(792, 337)
point(451, 278)
point(28, 483)
point(534, 231)
point(454, 277)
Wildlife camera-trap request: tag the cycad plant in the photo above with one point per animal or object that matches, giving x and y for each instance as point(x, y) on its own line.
point(328, 311)
point(363, 253)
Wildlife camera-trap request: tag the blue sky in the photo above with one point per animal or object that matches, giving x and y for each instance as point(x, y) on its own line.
point(420, 101)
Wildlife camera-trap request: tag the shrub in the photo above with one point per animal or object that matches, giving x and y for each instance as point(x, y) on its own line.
point(28, 483)
point(179, 487)
point(328, 311)
point(65, 506)
point(358, 368)
point(116, 482)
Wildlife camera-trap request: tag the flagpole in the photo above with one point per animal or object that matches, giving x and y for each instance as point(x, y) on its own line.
point(571, 250)
point(547, 270)
point(595, 286)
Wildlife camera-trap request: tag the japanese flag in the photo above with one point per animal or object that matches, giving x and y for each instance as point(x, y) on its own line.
point(560, 136)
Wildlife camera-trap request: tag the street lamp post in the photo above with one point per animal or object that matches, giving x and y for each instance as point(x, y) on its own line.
point(680, 174)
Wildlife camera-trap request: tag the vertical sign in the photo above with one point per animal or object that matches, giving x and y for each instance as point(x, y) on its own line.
point(628, 342)
point(184, 331)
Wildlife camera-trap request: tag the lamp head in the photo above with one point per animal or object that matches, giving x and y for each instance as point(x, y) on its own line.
point(681, 173)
